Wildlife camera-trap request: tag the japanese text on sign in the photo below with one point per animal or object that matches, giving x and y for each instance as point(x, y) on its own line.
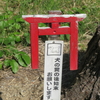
point(49, 84)
point(56, 73)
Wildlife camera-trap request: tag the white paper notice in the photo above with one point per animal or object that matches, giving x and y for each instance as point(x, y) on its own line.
point(53, 69)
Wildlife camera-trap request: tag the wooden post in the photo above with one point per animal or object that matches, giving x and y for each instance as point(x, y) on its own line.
point(34, 45)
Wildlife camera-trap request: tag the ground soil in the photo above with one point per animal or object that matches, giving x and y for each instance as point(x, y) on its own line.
point(27, 84)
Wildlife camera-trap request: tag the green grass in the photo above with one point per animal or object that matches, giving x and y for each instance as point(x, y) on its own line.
point(90, 7)
point(14, 9)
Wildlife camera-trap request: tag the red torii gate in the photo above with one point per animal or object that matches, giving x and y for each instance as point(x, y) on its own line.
point(54, 29)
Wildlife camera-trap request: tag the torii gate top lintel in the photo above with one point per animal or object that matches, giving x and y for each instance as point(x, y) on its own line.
point(53, 18)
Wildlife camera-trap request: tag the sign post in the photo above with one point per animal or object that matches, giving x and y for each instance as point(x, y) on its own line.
point(53, 69)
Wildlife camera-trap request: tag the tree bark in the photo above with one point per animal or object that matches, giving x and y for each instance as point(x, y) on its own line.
point(84, 84)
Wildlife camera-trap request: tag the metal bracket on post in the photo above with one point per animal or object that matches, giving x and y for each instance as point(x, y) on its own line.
point(55, 29)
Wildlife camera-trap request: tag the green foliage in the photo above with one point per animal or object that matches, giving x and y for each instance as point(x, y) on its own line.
point(14, 66)
point(23, 59)
point(12, 58)
point(11, 35)
point(1, 64)
point(26, 38)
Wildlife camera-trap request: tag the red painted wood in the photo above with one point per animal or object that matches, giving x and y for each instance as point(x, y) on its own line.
point(57, 31)
point(50, 19)
point(74, 45)
point(55, 25)
point(54, 29)
point(34, 45)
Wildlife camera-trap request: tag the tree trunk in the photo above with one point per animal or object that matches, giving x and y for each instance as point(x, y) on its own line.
point(84, 84)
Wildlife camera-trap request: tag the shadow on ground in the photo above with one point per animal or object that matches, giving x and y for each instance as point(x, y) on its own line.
point(0, 96)
point(69, 77)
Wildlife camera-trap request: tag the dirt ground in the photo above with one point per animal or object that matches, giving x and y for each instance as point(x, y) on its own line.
point(27, 84)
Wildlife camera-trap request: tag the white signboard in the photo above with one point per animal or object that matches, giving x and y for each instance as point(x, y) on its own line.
point(53, 69)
